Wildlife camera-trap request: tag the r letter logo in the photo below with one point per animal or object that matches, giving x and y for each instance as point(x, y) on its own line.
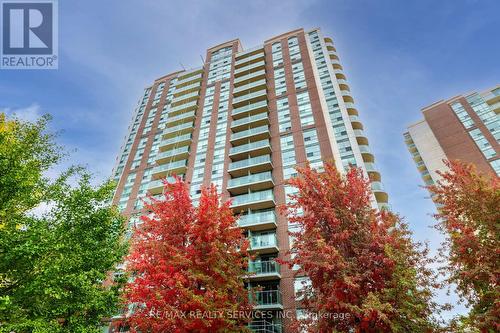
point(29, 34)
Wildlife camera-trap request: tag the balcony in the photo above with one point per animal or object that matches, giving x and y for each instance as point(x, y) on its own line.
point(250, 98)
point(193, 96)
point(254, 200)
point(360, 137)
point(250, 57)
point(351, 109)
point(164, 170)
point(178, 130)
point(250, 165)
point(249, 110)
point(263, 326)
point(181, 153)
point(372, 171)
point(187, 89)
point(356, 122)
point(175, 142)
point(366, 153)
point(193, 105)
point(264, 243)
point(156, 186)
point(266, 299)
point(256, 133)
point(249, 77)
point(258, 220)
point(253, 182)
point(263, 270)
point(181, 118)
point(379, 192)
point(251, 121)
point(250, 68)
point(250, 149)
point(189, 77)
point(250, 87)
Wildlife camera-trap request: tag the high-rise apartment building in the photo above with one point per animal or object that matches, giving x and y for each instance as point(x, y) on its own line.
point(465, 127)
point(243, 121)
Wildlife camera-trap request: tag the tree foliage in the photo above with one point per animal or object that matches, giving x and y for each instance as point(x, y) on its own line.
point(57, 240)
point(188, 264)
point(366, 273)
point(469, 216)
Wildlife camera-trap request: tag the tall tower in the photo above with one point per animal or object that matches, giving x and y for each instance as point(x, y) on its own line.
point(243, 121)
point(465, 127)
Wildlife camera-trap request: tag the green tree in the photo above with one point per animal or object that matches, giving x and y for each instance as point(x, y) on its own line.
point(53, 264)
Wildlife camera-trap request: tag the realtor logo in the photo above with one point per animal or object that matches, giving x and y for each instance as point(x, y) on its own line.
point(29, 34)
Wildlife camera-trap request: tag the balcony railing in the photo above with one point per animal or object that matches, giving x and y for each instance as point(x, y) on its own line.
point(260, 200)
point(251, 96)
point(250, 67)
point(266, 298)
point(172, 152)
point(257, 219)
point(249, 132)
point(177, 139)
point(249, 58)
point(180, 107)
point(174, 129)
point(249, 86)
point(251, 119)
point(262, 326)
point(252, 146)
point(263, 267)
point(250, 107)
point(255, 178)
point(170, 167)
point(260, 241)
point(253, 164)
point(250, 76)
point(181, 116)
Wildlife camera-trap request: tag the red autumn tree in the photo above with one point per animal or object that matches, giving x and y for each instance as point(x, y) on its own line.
point(366, 273)
point(469, 216)
point(188, 265)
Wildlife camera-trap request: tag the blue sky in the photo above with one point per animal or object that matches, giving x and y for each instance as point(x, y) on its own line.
point(398, 56)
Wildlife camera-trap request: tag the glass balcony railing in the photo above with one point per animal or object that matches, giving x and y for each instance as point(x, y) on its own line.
point(364, 149)
point(181, 117)
point(245, 180)
point(250, 162)
point(249, 107)
point(259, 241)
point(250, 198)
point(192, 104)
point(180, 99)
point(250, 67)
point(178, 92)
point(249, 58)
point(377, 186)
point(358, 132)
point(244, 78)
point(170, 166)
point(170, 130)
point(370, 167)
point(263, 267)
point(262, 326)
point(250, 132)
point(266, 298)
point(172, 153)
point(250, 146)
point(249, 120)
point(256, 94)
point(249, 86)
point(266, 217)
point(175, 140)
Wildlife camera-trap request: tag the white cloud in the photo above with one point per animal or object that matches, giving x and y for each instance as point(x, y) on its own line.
point(30, 113)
